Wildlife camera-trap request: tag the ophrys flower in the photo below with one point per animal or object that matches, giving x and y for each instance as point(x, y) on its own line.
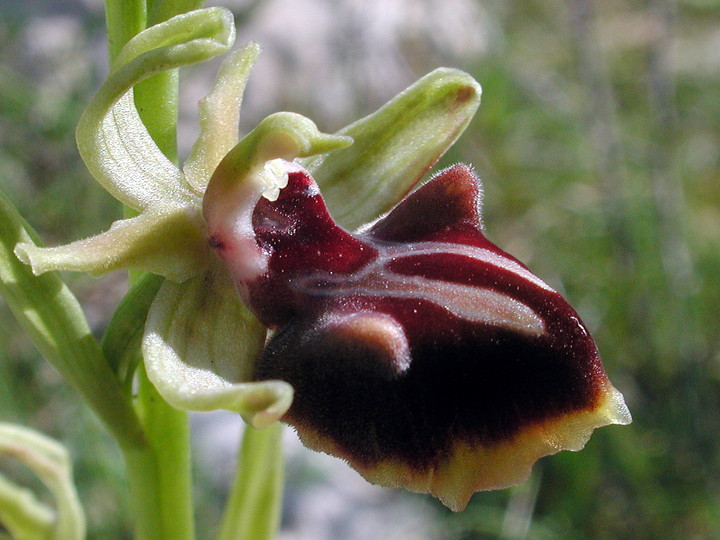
point(420, 352)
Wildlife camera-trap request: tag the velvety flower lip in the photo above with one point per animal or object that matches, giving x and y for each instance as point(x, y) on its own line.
point(419, 351)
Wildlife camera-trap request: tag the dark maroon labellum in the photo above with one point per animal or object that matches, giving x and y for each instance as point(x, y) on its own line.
point(418, 350)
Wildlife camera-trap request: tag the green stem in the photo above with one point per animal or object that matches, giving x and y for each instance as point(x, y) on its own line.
point(168, 467)
point(157, 97)
point(124, 19)
point(156, 101)
point(159, 474)
point(253, 511)
point(145, 501)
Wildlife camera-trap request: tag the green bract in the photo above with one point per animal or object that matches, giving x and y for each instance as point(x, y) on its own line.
point(199, 340)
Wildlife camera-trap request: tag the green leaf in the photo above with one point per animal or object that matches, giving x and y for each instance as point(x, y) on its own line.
point(51, 315)
point(395, 146)
point(123, 335)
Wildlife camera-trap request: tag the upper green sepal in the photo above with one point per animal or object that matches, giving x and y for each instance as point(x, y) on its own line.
point(395, 146)
point(111, 137)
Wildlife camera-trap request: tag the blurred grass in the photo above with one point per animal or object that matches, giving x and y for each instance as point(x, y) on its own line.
point(599, 144)
point(602, 175)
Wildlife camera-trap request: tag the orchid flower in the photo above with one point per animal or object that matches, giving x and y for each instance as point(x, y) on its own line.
point(385, 328)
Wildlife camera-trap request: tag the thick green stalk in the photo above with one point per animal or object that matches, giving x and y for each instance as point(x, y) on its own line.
point(156, 101)
point(168, 431)
point(159, 475)
point(253, 511)
point(157, 97)
point(124, 18)
point(145, 500)
point(162, 10)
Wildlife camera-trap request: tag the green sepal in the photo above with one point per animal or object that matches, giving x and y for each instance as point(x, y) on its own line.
point(164, 240)
point(199, 346)
point(112, 139)
point(395, 146)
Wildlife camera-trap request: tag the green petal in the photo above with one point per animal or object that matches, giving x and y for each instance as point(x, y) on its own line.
point(251, 166)
point(257, 167)
point(112, 139)
point(199, 346)
point(395, 146)
point(164, 240)
point(51, 463)
point(220, 117)
point(282, 135)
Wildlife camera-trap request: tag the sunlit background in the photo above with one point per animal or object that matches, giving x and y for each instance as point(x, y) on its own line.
point(598, 141)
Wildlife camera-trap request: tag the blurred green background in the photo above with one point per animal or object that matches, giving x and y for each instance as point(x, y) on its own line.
point(598, 141)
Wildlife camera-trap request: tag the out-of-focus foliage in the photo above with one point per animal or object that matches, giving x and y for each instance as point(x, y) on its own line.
point(47, 74)
point(599, 143)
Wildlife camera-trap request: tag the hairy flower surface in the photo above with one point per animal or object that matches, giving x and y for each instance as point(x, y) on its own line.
point(419, 351)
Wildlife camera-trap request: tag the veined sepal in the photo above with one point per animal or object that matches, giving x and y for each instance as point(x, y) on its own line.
point(199, 346)
point(165, 240)
point(395, 146)
point(111, 137)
